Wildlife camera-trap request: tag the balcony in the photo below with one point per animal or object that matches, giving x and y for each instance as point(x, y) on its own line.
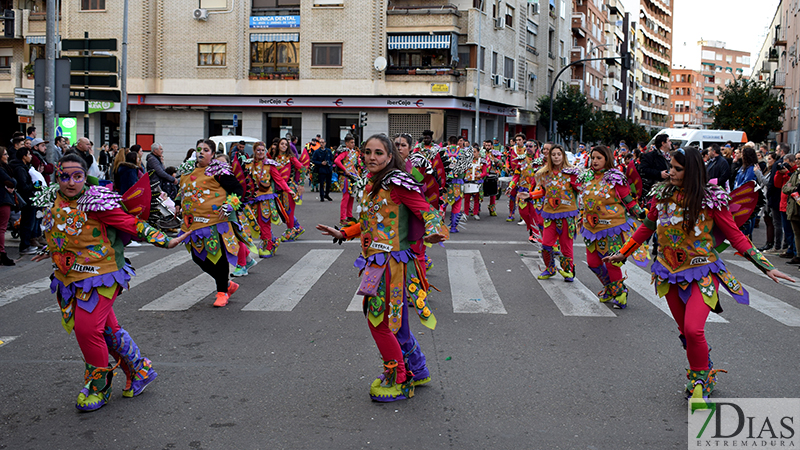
point(772, 56)
point(779, 79)
point(579, 24)
point(615, 7)
point(422, 18)
point(615, 107)
point(780, 36)
point(612, 81)
point(578, 84)
point(577, 53)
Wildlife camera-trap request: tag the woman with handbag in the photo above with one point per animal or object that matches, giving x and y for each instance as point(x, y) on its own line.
point(8, 197)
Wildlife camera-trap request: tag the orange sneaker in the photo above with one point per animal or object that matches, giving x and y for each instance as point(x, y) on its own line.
point(222, 299)
point(232, 288)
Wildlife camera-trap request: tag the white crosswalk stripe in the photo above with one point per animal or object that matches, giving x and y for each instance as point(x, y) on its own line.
point(572, 299)
point(287, 291)
point(6, 339)
point(184, 296)
point(639, 281)
point(767, 304)
point(471, 286)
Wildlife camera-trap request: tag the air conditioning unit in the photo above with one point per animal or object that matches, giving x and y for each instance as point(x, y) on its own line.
point(499, 23)
point(497, 80)
point(200, 14)
point(511, 84)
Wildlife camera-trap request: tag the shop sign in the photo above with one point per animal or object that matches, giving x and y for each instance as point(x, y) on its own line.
point(274, 21)
point(98, 106)
point(440, 87)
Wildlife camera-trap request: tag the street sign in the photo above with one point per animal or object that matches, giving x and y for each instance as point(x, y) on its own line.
point(235, 120)
point(93, 64)
point(61, 96)
point(71, 45)
point(21, 92)
point(25, 112)
point(23, 119)
point(23, 101)
point(94, 80)
point(96, 94)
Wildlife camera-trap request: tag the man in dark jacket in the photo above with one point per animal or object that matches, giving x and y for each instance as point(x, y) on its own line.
point(82, 148)
point(717, 166)
point(653, 165)
point(19, 169)
point(156, 165)
point(323, 162)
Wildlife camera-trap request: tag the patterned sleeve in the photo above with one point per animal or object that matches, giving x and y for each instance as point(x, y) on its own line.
point(125, 222)
point(724, 220)
point(416, 203)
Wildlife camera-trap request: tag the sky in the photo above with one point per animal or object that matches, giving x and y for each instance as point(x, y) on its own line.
point(741, 24)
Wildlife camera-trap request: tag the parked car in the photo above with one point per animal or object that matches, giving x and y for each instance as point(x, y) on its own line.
point(224, 143)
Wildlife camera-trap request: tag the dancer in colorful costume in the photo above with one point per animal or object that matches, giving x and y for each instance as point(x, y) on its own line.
point(475, 174)
point(293, 172)
point(423, 172)
point(691, 218)
point(456, 162)
point(495, 168)
point(392, 214)
point(559, 186)
point(264, 172)
point(82, 226)
point(516, 156)
point(426, 146)
point(607, 222)
point(524, 182)
point(349, 162)
point(210, 196)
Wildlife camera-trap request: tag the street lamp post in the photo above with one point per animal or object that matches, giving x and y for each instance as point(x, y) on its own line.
point(478, 77)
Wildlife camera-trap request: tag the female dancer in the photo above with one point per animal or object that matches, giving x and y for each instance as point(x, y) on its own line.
point(210, 196)
point(289, 166)
point(524, 182)
point(475, 174)
point(349, 162)
point(690, 218)
point(392, 213)
point(607, 213)
point(81, 226)
point(264, 172)
point(558, 186)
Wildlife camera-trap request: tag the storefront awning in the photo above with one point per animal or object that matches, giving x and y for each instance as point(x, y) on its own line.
point(418, 41)
point(38, 40)
point(275, 37)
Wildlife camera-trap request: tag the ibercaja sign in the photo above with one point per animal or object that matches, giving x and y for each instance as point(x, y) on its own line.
point(745, 423)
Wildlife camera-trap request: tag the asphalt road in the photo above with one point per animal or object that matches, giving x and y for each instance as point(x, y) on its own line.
point(517, 364)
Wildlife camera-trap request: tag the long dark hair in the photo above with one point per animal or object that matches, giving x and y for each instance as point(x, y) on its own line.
point(749, 157)
point(395, 163)
point(694, 184)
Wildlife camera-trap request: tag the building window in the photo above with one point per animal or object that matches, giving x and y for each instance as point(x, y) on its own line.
point(274, 57)
point(275, 7)
point(494, 63)
point(482, 59)
point(214, 4)
point(93, 5)
point(509, 16)
point(508, 68)
point(5, 62)
point(326, 55)
point(211, 54)
point(479, 4)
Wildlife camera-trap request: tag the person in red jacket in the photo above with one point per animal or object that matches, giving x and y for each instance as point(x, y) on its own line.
point(782, 175)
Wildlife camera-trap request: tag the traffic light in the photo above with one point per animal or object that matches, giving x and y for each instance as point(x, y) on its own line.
point(626, 60)
point(353, 127)
point(362, 119)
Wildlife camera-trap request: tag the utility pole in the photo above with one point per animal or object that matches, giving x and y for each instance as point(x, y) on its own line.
point(50, 72)
point(478, 77)
point(123, 82)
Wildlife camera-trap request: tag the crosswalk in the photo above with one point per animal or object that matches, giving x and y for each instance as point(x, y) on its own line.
point(472, 289)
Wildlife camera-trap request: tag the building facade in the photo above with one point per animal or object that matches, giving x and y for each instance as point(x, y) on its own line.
point(720, 67)
point(686, 99)
point(264, 68)
point(654, 60)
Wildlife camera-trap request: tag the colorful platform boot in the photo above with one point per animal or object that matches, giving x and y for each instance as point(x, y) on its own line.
point(239, 271)
point(567, 269)
point(617, 294)
point(96, 391)
point(550, 262)
point(416, 362)
point(266, 249)
point(602, 274)
point(454, 218)
point(428, 263)
point(701, 384)
point(386, 389)
point(138, 369)
point(492, 211)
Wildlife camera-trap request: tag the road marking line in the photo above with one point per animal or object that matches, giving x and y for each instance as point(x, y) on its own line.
point(356, 304)
point(471, 286)
point(639, 281)
point(747, 265)
point(6, 339)
point(184, 296)
point(287, 291)
point(144, 274)
point(572, 299)
point(771, 306)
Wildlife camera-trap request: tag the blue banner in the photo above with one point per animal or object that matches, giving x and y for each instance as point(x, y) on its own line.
point(275, 22)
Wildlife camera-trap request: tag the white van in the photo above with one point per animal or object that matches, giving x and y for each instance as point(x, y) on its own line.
point(224, 143)
point(684, 137)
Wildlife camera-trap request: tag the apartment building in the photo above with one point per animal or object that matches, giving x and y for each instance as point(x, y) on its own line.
point(720, 67)
point(653, 60)
point(686, 99)
point(264, 68)
point(589, 20)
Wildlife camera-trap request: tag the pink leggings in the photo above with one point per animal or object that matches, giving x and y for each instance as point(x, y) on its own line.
point(241, 256)
point(691, 319)
point(475, 199)
point(264, 224)
point(89, 329)
point(551, 235)
point(346, 207)
point(595, 260)
point(388, 345)
point(532, 218)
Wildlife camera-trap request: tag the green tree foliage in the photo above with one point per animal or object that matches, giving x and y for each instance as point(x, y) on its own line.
point(748, 106)
point(570, 109)
point(608, 128)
